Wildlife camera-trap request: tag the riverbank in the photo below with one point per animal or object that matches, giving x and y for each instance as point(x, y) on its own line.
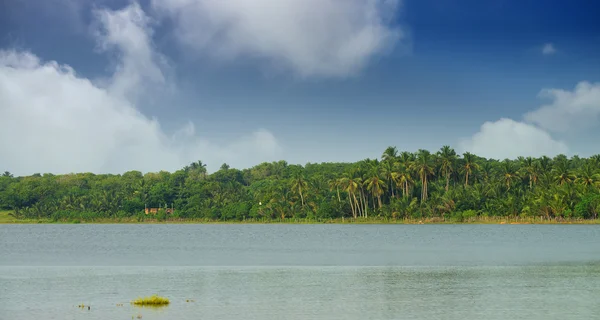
point(6, 218)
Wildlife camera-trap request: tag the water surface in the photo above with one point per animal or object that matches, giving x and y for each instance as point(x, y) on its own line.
point(301, 271)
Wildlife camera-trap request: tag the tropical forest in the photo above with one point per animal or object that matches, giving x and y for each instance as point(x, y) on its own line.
point(398, 186)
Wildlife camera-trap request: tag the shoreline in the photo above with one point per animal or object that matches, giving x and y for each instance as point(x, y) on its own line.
point(6, 219)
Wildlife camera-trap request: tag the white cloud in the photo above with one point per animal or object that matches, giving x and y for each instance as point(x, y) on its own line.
point(128, 33)
point(309, 37)
point(548, 49)
point(507, 138)
point(56, 121)
point(569, 110)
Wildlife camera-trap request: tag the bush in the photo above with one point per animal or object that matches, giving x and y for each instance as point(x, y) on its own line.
point(124, 214)
point(153, 300)
point(133, 206)
point(585, 207)
point(327, 210)
point(161, 215)
point(140, 216)
point(237, 211)
point(462, 216)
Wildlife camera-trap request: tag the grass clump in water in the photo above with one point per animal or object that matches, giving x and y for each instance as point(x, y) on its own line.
point(153, 300)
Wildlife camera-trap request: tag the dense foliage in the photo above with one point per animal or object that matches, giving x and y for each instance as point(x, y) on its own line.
point(400, 185)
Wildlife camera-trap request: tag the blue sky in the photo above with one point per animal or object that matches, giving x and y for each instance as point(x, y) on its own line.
point(428, 73)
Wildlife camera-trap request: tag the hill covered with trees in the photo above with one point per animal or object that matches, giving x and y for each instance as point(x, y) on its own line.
point(399, 185)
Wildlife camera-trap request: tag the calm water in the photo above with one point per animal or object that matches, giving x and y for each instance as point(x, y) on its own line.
point(428, 272)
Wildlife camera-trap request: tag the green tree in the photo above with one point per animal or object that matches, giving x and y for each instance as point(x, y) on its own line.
point(469, 165)
point(424, 168)
point(447, 158)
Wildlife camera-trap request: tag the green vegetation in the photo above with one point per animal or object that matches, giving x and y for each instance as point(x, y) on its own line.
point(421, 187)
point(153, 300)
point(6, 217)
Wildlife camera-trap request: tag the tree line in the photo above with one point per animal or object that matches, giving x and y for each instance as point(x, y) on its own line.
point(398, 185)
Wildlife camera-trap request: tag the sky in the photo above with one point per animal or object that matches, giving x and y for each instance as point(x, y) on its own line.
point(108, 86)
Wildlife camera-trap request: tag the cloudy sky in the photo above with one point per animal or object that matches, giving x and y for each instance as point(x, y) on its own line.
point(113, 85)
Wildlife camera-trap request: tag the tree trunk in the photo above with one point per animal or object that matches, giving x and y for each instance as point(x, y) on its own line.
point(365, 203)
point(356, 206)
point(374, 204)
point(301, 197)
point(425, 188)
point(530, 183)
point(351, 204)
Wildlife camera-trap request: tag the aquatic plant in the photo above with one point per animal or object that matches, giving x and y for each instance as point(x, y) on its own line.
point(153, 300)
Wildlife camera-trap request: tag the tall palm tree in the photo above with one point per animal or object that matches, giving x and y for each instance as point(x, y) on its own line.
point(375, 185)
point(388, 173)
point(424, 168)
point(334, 184)
point(359, 177)
point(447, 159)
point(197, 166)
point(469, 165)
point(389, 154)
point(299, 185)
point(403, 178)
point(406, 158)
point(350, 185)
point(509, 173)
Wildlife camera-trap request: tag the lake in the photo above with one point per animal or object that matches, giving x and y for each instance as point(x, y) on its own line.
point(462, 272)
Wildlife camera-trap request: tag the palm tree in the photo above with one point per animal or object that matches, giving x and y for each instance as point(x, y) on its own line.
point(404, 205)
point(197, 166)
point(299, 184)
point(587, 175)
point(375, 185)
point(334, 184)
point(390, 154)
point(406, 158)
point(447, 158)
point(595, 160)
point(509, 173)
point(469, 165)
point(403, 178)
point(350, 185)
point(387, 170)
point(486, 172)
point(562, 173)
point(424, 168)
point(528, 167)
point(545, 163)
point(445, 205)
point(359, 177)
